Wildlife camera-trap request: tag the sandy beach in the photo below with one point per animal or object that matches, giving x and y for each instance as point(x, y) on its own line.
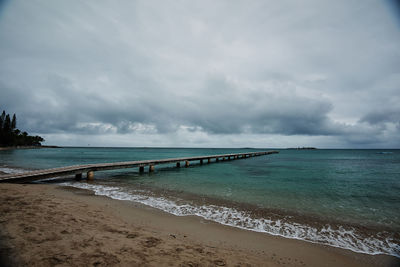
point(49, 225)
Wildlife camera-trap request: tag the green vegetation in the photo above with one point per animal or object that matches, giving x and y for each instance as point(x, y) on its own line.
point(11, 136)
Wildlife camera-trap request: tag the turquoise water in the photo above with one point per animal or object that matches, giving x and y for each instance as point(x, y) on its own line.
point(344, 198)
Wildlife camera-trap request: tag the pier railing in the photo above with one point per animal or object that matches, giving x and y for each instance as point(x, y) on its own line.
point(89, 169)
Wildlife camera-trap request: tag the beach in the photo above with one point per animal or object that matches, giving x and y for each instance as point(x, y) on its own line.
point(52, 225)
point(214, 133)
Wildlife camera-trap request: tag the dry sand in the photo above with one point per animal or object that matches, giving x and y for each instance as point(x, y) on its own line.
point(47, 225)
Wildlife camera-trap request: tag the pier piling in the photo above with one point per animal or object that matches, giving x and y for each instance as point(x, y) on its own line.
point(78, 176)
point(90, 175)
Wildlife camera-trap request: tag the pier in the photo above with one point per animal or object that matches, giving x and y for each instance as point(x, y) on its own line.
point(89, 169)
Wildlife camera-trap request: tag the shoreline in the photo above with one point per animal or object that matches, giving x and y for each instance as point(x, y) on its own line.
point(3, 148)
point(359, 238)
point(58, 220)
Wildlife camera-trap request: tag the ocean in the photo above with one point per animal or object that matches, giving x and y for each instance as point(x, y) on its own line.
point(340, 197)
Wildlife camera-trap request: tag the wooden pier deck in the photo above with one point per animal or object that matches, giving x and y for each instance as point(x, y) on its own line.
point(89, 169)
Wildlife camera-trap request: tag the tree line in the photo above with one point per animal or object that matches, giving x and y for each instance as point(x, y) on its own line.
point(10, 135)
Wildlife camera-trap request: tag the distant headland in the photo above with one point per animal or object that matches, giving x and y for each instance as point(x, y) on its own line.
point(12, 137)
point(302, 148)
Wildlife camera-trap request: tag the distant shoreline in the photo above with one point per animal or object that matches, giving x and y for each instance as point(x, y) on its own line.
point(302, 148)
point(26, 147)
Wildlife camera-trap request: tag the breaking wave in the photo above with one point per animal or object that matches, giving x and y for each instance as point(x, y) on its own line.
point(9, 170)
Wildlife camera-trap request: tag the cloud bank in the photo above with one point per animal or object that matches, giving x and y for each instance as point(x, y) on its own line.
point(225, 73)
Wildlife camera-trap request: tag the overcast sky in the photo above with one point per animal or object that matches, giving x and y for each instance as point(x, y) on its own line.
point(203, 73)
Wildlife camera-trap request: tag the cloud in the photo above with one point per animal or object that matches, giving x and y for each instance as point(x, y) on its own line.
point(382, 116)
point(323, 73)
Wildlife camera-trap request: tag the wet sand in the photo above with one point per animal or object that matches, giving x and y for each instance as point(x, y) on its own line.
point(48, 225)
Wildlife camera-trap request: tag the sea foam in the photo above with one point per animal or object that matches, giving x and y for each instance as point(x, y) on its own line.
point(11, 170)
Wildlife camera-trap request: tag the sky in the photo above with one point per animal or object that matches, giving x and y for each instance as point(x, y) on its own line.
point(203, 73)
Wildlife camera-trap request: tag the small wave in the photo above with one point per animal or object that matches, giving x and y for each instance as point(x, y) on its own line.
point(11, 170)
point(341, 237)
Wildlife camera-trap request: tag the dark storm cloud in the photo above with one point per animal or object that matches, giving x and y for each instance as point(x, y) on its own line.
point(203, 69)
point(383, 116)
point(235, 109)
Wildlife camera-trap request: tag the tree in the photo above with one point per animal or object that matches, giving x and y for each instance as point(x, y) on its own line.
point(2, 118)
point(7, 124)
point(14, 122)
point(11, 136)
